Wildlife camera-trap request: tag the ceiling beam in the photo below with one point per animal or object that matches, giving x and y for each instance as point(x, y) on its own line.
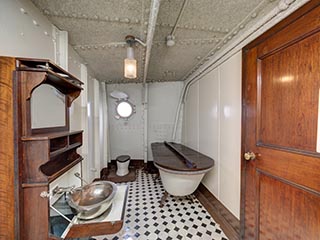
point(154, 10)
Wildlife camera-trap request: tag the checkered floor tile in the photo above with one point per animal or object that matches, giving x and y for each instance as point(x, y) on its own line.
point(180, 218)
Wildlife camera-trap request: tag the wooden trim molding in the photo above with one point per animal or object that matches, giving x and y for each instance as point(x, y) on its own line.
point(228, 222)
point(7, 198)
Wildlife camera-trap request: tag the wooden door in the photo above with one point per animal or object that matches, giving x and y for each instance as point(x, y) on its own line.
point(281, 84)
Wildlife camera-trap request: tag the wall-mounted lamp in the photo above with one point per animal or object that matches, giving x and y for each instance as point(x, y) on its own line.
point(130, 64)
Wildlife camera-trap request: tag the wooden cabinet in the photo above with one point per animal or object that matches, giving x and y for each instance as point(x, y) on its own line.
point(36, 156)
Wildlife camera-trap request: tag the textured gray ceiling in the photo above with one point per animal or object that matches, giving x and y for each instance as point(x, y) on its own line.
point(97, 30)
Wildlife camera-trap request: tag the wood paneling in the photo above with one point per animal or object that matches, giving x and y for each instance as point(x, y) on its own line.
point(289, 95)
point(35, 214)
point(6, 150)
point(281, 81)
point(283, 206)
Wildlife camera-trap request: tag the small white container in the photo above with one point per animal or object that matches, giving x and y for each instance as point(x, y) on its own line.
point(123, 165)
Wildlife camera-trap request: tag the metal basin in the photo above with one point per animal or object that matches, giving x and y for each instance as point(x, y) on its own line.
point(93, 199)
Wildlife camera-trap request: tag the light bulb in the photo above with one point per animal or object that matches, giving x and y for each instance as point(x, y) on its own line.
point(130, 68)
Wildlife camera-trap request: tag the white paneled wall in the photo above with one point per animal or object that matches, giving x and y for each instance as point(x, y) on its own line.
point(78, 110)
point(126, 137)
point(212, 124)
point(24, 31)
point(191, 118)
point(230, 133)
point(162, 106)
point(96, 129)
point(209, 129)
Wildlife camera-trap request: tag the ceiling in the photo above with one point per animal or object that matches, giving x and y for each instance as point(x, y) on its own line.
point(97, 30)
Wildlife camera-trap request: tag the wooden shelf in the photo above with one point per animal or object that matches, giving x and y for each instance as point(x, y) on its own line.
point(58, 151)
point(47, 136)
point(57, 174)
point(65, 149)
point(74, 145)
point(45, 65)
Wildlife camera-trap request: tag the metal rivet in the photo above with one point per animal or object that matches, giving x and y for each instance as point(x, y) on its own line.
point(22, 10)
point(35, 23)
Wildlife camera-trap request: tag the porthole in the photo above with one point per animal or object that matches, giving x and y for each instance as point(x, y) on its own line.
point(124, 109)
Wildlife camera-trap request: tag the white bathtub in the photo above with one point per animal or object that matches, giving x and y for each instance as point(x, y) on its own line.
point(180, 183)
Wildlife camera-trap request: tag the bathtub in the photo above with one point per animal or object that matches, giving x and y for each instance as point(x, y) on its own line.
point(181, 168)
point(181, 183)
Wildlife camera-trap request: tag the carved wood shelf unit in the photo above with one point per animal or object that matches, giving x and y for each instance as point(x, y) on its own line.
point(41, 154)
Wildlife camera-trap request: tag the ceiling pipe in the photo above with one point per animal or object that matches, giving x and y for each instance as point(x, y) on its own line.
point(179, 16)
point(154, 10)
point(170, 38)
point(263, 25)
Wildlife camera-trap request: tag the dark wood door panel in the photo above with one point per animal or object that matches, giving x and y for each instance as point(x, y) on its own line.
point(301, 28)
point(281, 80)
point(287, 211)
point(289, 90)
point(297, 168)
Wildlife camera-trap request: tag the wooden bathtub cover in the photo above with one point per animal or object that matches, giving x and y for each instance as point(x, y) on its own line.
point(175, 156)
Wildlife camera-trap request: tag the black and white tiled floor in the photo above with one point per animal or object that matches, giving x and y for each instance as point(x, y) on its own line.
point(180, 218)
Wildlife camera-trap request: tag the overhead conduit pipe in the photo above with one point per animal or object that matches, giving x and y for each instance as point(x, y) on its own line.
point(154, 10)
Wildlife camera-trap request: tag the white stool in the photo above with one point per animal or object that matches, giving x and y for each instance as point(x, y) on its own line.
point(123, 165)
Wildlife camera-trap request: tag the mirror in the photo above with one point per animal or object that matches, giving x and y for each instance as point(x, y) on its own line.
point(48, 107)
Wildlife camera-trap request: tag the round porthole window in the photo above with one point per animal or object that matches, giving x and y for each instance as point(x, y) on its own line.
point(124, 109)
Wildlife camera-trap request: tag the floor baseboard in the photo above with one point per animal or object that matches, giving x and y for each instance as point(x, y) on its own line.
point(228, 222)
